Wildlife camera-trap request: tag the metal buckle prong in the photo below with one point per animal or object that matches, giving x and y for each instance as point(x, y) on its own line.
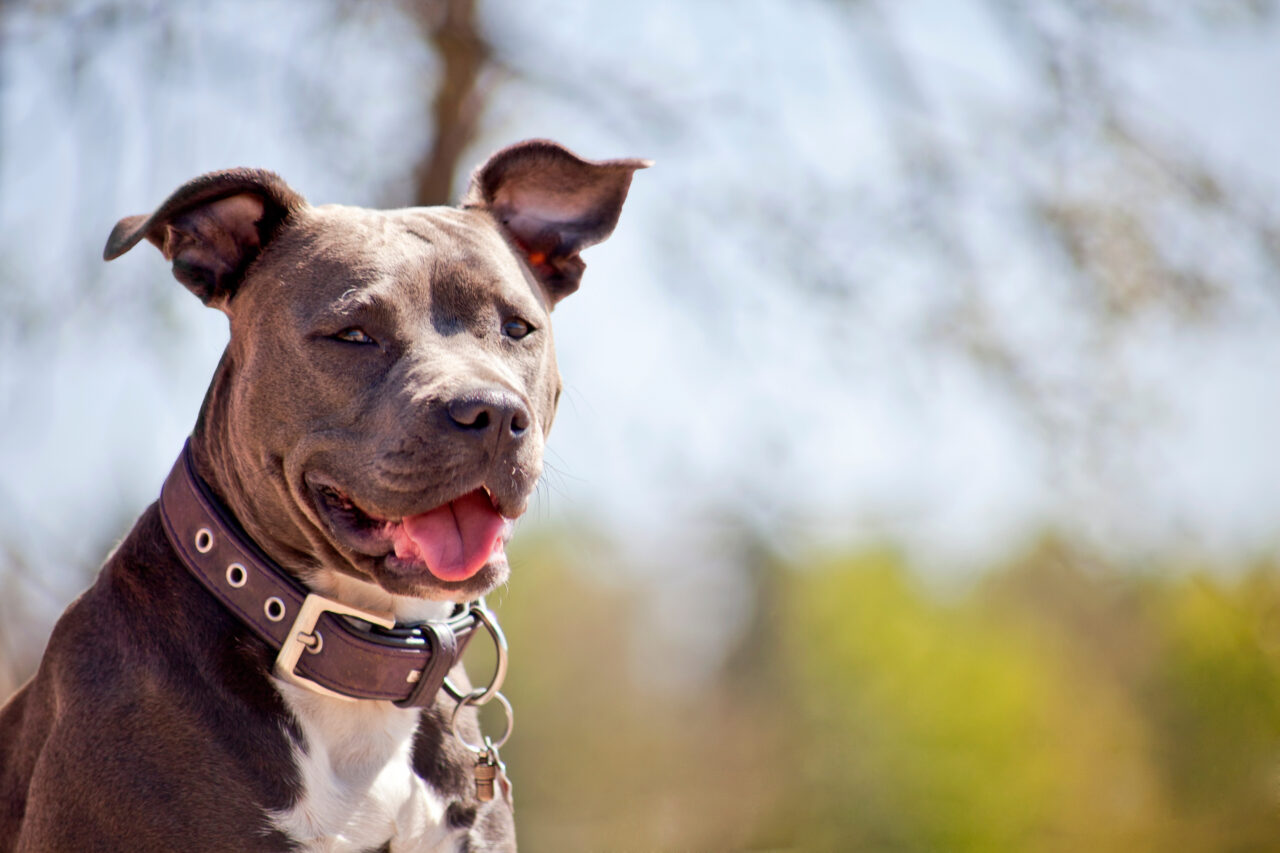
point(301, 636)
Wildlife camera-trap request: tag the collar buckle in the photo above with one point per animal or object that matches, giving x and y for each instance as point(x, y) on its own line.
point(303, 636)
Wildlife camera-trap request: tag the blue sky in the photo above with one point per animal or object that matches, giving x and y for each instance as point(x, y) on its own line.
point(704, 377)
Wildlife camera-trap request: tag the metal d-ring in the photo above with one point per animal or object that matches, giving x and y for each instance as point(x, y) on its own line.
point(489, 743)
point(481, 695)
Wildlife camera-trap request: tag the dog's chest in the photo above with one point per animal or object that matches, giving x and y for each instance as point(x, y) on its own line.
point(359, 789)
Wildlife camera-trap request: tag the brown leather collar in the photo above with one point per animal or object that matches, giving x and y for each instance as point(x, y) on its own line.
point(318, 647)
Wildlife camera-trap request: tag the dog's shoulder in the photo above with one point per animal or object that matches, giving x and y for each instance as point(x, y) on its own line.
point(119, 682)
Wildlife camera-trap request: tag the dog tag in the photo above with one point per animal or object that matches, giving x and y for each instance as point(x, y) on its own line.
point(486, 773)
point(489, 769)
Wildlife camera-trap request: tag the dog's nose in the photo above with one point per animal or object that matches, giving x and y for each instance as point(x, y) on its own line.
point(484, 411)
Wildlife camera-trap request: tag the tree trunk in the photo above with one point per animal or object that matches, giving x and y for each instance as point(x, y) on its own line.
point(450, 27)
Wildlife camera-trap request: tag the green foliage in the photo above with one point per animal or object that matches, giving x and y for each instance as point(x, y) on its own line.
point(1214, 699)
point(929, 721)
point(1055, 705)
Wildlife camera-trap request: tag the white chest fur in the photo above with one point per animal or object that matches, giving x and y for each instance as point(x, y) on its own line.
point(359, 789)
point(358, 785)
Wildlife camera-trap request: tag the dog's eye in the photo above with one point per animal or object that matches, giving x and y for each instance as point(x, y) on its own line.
point(354, 335)
point(516, 328)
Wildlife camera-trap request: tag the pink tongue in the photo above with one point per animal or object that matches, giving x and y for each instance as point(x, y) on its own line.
point(454, 540)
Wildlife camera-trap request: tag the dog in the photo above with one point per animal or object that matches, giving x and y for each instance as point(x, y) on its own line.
point(269, 659)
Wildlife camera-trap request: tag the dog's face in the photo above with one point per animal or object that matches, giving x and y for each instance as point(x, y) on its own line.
point(390, 381)
point(396, 371)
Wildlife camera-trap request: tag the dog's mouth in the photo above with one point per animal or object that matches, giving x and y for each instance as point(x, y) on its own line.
point(451, 542)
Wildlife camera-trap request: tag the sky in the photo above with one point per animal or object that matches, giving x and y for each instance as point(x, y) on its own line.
point(709, 381)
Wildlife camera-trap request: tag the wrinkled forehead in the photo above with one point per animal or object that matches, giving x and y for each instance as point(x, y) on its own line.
point(416, 256)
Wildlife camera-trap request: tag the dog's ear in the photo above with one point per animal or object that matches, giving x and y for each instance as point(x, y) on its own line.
point(553, 204)
point(212, 228)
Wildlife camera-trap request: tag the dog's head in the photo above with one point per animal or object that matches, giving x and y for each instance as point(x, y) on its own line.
point(389, 383)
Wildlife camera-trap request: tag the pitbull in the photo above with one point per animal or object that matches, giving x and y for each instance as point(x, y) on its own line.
point(269, 659)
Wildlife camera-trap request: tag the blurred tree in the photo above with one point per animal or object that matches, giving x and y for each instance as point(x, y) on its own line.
point(1214, 699)
point(1059, 705)
point(1053, 708)
point(452, 29)
point(1067, 187)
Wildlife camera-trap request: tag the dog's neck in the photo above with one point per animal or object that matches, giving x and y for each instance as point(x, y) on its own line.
point(369, 596)
point(253, 489)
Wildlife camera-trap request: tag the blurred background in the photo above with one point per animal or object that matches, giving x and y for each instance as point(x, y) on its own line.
point(916, 483)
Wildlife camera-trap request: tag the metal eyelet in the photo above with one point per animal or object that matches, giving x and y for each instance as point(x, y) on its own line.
point(274, 608)
point(204, 540)
point(237, 575)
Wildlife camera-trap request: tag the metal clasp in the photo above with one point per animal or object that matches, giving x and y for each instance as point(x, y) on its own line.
point(303, 636)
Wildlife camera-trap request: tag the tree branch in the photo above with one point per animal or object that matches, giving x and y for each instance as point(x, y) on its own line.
point(450, 27)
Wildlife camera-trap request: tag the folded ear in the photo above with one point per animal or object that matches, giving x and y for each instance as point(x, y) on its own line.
point(212, 228)
point(553, 204)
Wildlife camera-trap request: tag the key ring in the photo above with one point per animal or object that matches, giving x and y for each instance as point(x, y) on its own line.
point(489, 744)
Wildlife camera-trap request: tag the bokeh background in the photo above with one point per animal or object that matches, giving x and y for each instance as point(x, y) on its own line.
point(916, 484)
